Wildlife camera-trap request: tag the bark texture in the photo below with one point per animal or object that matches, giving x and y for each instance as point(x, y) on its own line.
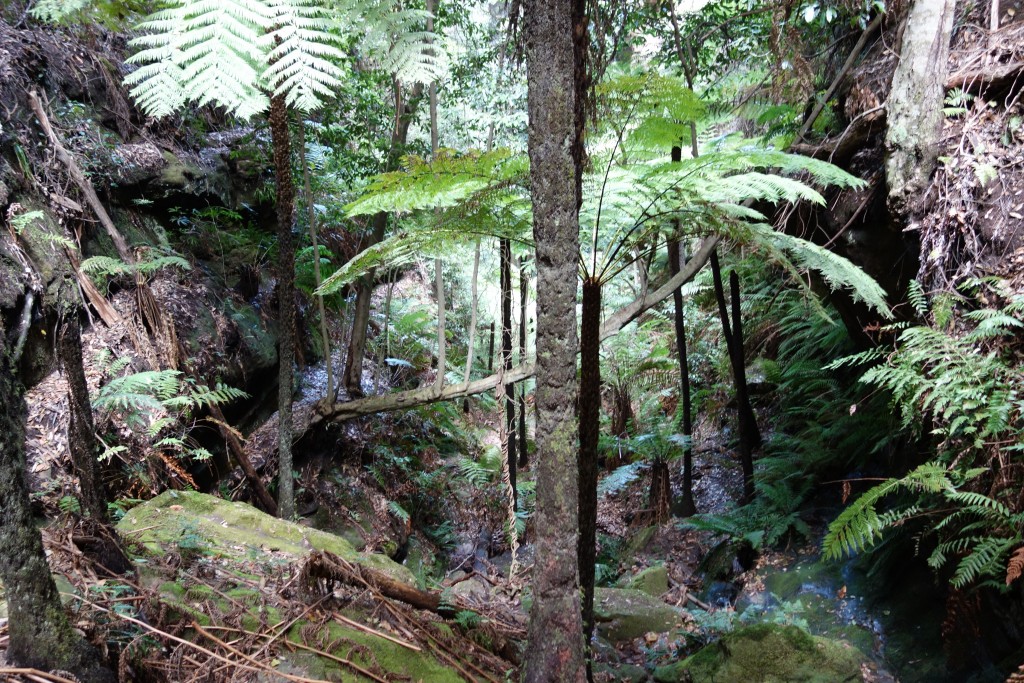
point(286, 301)
point(915, 103)
point(554, 650)
point(39, 633)
point(507, 390)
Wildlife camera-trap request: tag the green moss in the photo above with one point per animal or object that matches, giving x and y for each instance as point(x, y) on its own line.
point(394, 659)
point(766, 653)
point(625, 613)
point(653, 581)
point(229, 529)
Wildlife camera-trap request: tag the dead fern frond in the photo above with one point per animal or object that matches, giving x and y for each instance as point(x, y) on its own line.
point(1015, 567)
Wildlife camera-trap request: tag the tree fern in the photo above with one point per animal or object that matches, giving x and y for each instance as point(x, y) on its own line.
point(233, 52)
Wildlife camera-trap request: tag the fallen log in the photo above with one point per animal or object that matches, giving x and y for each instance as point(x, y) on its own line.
point(988, 80)
point(402, 400)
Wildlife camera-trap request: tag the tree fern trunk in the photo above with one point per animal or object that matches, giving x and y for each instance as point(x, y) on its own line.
point(686, 506)
point(523, 293)
point(286, 301)
point(508, 397)
point(311, 218)
point(590, 416)
point(743, 426)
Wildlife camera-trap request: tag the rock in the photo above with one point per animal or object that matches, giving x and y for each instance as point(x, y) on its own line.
point(653, 581)
point(720, 594)
point(621, 673)
point(626, 613)
point(767, 653)
point(726, 560)
point(222, 528)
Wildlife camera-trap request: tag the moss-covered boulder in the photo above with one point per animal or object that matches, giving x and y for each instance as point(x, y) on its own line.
point(653, 581)
point(767, 653)
point(222, 528)
point(627, 613)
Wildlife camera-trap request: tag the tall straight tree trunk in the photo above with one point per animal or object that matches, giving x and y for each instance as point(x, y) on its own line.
point(686, 507)
point(307, 191)
point(508, 397)
point(474, 296)
point(438, 279)
point(286, 301)
point(39, 634)
point(590, 422)
point(353, 378)
point(523, 293)
point(554, 649)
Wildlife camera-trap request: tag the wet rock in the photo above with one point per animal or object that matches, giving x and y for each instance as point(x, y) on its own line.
point(720, 594)
point(726, 560)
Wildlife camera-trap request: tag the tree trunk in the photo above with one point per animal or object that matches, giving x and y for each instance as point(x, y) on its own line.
point(286, 301)
point(353, 379)
point(311, 218)
point(508, 397)
point(82, 442)
point(660, 495)
point(470, 345)
point(686, 506)
point(750, 435)
point(590, 418)
point(490, 350)
point(39, 635)
point(554, 649)
point(914, 108)
point(742, 404)
point(523, 293)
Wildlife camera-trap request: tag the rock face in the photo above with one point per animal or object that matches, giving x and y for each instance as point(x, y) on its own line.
point(653, 581)
point(767, 653)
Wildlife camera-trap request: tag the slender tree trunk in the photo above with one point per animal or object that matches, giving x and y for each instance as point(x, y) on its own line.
point(311, 218)
point(353, 379)
point(523, 293)
point(742, 404)
point(590, 418)
point(555, 644)
point(438, 280)
point(39, 634)
point(508, 397)
point(286, 301)
point(686, 506)
point(750, 436)
point(471, 345)
point(82, 442)
point(490, 350)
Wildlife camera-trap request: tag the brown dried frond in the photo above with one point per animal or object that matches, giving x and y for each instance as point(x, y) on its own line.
point(1015, 568)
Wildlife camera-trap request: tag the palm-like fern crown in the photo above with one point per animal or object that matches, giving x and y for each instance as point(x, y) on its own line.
point(234, 52)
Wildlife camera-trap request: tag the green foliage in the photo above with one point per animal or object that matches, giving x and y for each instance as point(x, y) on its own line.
point(102, 268)
point(233, 52)
point(965, 386)
point(160, 403)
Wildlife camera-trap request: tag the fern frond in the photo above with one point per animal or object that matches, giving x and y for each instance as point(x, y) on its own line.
point(1015, 567)
point(303, 52)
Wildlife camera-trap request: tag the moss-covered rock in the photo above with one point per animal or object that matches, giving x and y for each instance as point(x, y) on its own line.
point(222, 528)
point(653, 581)
point(626, 613)
point(767, 653)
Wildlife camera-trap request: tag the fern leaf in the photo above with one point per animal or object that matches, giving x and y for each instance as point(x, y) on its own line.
point(1015, 567)
point(303, 53)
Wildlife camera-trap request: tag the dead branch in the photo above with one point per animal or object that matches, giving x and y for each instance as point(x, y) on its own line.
point(988, 80)
point(80, 179)
point(238, 452)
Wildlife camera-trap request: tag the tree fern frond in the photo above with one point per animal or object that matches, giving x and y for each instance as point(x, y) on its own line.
point(303, 52)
